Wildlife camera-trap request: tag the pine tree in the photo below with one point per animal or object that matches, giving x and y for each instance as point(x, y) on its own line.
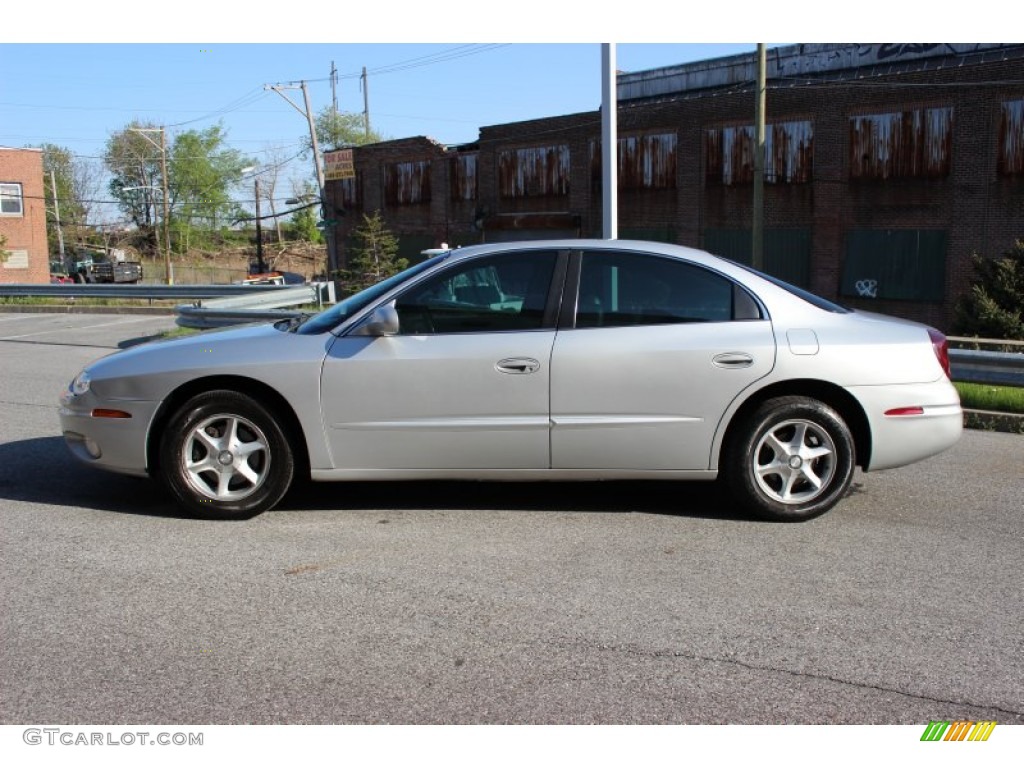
point(994, 307)
point(373, 255)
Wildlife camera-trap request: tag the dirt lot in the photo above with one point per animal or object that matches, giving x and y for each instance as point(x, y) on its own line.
point(227, 266)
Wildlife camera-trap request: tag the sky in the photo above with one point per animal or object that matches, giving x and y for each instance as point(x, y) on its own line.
point(83, 71)
point(76, 94)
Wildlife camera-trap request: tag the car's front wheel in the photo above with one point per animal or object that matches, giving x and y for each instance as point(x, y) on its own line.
point(222, 455)
point(792, 460)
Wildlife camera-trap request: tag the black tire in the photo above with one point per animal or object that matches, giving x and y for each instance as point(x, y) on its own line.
point(223, 456)
point(792, 460)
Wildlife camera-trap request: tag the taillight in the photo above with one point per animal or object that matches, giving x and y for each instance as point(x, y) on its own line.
point(941, 348)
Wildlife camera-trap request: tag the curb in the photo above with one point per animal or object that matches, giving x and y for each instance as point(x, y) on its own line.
point(993, 421)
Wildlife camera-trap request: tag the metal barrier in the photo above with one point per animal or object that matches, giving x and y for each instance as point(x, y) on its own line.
point(135, 291)
point(264, 306)
point(987, 366)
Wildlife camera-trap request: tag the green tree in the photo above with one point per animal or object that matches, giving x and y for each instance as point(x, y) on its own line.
point(77, 181)
point(202, 172)
point(373, 255)
point(340, 129)
point(303, 221)
point(134, 165)
point(994, 306)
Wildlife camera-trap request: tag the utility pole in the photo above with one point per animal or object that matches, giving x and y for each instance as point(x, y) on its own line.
point(260, 267)
point(334, 88)
point(757, 246)
point(609, 144)
point(366, 104)
point(332, 256)
point(167, 231)
point(162, 146)
point(56, 214)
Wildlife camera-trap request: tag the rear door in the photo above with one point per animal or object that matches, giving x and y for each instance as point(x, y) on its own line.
point(653, 354)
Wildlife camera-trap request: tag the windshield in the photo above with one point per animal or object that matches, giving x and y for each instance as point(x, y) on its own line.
point(343, 310)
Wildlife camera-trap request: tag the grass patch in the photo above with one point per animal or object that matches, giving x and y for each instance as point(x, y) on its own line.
point(179, 331)
point(987, 397)
point(73, 301)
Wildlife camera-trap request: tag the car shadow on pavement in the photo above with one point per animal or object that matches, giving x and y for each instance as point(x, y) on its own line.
point(134, 342)
point(686, 499)
point(42, 471)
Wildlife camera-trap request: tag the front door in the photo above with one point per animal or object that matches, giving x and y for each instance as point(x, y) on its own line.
point(464, 385)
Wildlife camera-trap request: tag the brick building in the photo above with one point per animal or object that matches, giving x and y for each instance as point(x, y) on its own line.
point(886, 167)
point(23, 217)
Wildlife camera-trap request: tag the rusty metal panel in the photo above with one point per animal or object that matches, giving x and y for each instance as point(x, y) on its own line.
point(534, 171)
point(915, 144)
point(648, 161)
point(463, 178)
point(407, 183)
point(1011, 138)
point(789, 153)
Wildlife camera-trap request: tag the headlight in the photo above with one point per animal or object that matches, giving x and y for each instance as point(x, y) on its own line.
point(81, 383)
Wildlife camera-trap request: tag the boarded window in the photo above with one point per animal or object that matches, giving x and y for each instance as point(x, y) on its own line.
point(347, 193)
point(895, 264)
point(645, 162)
point(1011, 138)
point(916, 144)
point(788, 153)
point(787, 252)
point(463, 181)
point(534, 172)
point(407, 183)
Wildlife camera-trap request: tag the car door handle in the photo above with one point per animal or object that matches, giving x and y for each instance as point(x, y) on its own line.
point(517, 365)
point(733, 360)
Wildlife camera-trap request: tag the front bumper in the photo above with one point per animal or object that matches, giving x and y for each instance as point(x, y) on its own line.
point(114, 444)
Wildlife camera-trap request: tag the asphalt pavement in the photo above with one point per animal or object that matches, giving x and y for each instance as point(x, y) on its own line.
point(493, 603)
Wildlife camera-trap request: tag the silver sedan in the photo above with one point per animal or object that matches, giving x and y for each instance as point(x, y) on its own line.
point(552, 360)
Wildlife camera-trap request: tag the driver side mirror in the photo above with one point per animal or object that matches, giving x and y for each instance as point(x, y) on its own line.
point(383, 321)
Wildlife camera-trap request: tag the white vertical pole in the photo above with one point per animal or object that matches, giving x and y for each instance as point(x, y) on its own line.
point(609, 144)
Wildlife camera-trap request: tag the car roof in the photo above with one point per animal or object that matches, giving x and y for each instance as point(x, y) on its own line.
point(670, 250)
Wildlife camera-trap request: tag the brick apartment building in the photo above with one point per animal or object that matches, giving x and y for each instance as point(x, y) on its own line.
point(23, 217)
point(887, 165)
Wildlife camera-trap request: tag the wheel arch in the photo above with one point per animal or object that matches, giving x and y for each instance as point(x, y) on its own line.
point(832, 395)
point(259, 391)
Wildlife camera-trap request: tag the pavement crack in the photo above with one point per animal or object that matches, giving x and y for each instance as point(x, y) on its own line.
point(639, 652)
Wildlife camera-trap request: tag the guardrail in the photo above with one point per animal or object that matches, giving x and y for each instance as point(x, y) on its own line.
point(135, 291)
point(219, 312)
point(987, 366)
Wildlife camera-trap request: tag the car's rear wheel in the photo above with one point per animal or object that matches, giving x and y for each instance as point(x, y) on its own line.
point(792, 460)
point(222, 455)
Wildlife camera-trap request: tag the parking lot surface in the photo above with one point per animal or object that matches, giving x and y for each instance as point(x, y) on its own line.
point(493, 603)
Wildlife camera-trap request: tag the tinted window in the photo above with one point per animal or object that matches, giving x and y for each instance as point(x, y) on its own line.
point(342, 311)
point(620, 289)
point(507, 292)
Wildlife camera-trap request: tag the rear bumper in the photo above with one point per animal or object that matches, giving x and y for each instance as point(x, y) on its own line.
point(910, 422)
